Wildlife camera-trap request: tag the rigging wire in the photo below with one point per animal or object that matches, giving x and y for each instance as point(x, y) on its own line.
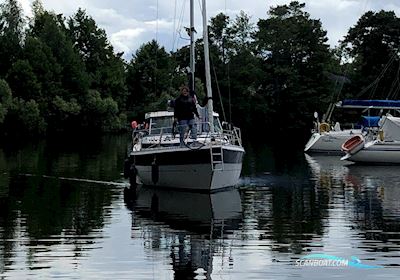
point(219, 92)
point(215, 77)
point(174, 27)
point(157, 23)
point(156, 51)
point(338, 87)
point(178, 25)
point(376, 81)
point(229, 76)
point(395, 85)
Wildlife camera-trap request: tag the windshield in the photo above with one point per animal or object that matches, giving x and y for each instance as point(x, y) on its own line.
point(204, 127)
point(165, 123)
point(161, 122)
point(217, 125)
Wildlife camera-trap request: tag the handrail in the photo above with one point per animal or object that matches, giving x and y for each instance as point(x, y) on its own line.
point(233, 136)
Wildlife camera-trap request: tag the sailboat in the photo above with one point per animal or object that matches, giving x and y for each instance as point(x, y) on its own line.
point(376, 146)
point(215, 162)
point(383, 148)
point(326, 138)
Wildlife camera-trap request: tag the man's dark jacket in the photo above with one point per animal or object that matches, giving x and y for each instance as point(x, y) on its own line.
point(185, 108)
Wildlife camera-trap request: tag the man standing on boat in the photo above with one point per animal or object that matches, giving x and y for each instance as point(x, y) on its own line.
point(184, 111)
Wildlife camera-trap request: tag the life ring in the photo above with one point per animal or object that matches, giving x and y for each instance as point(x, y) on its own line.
point(324, 127)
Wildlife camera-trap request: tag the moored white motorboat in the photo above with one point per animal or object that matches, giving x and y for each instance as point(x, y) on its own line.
point(383, 149)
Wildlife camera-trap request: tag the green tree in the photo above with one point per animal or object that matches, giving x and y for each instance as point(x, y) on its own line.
point(295, 55)
point(106, 69)
point(150, 74)
point(46, 68)
point(23, 81)
point(5, 99)
point(59, 69)
point(235, 70)
point(51, 31)
point(219, 34)
point(11, 33)
point(25, 116)
point(373, 47)
point(65, 114)
point(243, 31)
point(101, 114)
point(37, 7)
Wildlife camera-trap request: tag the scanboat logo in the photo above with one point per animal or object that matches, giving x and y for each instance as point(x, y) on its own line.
point(332, 261)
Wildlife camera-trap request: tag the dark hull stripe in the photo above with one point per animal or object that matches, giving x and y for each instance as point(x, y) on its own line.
point(186, 157)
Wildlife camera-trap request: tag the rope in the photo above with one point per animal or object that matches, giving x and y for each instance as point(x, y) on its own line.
point(338, 87)
point(219, 92)
point(376, 81)
point(394, 89)
point(229, 94)
point(178, 25)
point(181, 21)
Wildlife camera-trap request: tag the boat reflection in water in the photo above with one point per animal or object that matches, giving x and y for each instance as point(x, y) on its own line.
point(192, 226)
point(383, 181)
point(365, 200)
point(326, 169)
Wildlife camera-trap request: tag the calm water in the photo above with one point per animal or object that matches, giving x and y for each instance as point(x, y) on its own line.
point(64, 214)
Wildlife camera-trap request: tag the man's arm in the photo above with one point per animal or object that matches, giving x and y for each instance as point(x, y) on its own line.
point(194, 109)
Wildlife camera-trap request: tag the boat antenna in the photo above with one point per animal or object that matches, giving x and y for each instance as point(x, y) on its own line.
point(207, 67)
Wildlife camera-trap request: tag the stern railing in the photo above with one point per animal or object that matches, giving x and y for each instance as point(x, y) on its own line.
point(231, 136)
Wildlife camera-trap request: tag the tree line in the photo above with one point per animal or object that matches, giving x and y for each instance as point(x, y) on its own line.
point(61, 74)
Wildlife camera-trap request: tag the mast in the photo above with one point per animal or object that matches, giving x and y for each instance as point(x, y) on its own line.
point(192, 50)
point(207, 68)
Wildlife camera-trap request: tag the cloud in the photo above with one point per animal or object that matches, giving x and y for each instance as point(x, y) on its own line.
point(126, 40)
point(160, 24)
point(130, 24)
point(26, 7)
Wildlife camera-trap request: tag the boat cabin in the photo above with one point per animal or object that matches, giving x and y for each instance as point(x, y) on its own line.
point(162, 122)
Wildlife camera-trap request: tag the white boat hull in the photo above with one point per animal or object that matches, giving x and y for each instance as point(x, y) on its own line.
point(192, 177)
point(377, 153)
point(183, 168)
point(329, 141)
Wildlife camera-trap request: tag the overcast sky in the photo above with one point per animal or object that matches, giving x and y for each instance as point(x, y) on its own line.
point(130, 23)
